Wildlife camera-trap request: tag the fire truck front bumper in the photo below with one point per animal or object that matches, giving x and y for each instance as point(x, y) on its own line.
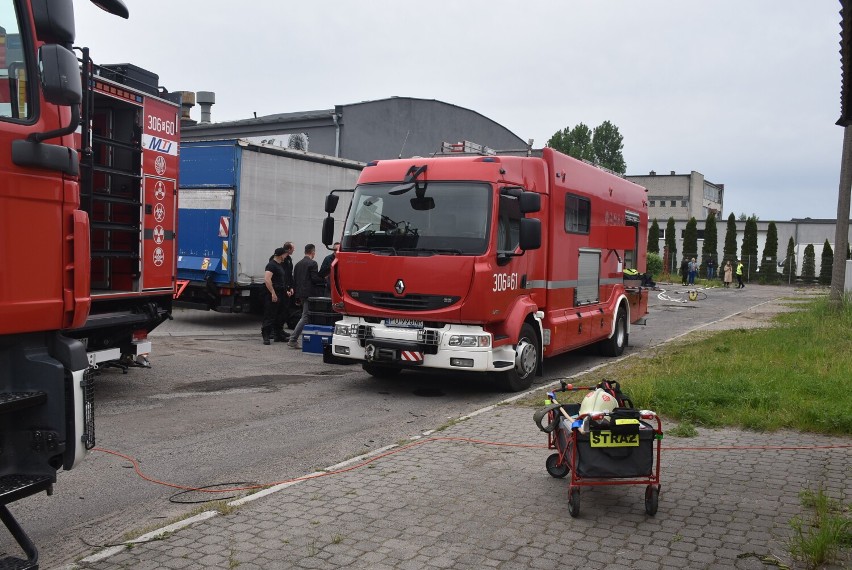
point(451, 347)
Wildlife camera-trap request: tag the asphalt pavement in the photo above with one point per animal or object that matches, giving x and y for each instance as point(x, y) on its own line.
point(475, 493)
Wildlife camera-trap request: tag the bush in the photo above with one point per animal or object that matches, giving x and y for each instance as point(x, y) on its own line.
point(654, 264)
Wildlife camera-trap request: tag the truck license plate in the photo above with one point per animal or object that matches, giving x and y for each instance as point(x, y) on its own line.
point(404, 323)
point(609, 439)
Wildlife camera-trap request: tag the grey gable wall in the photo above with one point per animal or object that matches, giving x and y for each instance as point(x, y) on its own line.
point(378, 129)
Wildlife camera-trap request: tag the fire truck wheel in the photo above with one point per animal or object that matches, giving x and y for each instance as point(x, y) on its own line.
point(526, 362)
point(377, 371)
point(614, 346)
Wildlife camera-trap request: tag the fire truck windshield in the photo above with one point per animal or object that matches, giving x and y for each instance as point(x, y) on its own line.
point(397, 223)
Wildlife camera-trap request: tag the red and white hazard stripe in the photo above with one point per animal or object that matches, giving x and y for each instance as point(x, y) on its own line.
point(411, 356)
point(224, 226)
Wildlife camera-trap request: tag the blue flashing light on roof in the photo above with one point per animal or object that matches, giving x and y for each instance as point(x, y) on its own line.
point(372, 163)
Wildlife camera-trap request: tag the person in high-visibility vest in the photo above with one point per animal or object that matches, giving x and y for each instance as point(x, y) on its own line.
point(740, 284)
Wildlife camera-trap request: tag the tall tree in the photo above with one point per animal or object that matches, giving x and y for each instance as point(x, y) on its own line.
point(826, 264)
point(710, 247)
point(789, 271)
point(748, 253)
point(730, 250)
point(671, 245)
point(576, 142)
point(559, 140)
point(607, 144)
point(809, 264)
point(690, 239)
point(602, 146)
point(768, 265)
point(654, 237)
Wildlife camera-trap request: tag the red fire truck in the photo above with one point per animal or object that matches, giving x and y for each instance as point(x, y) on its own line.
point(87, 211)
point(485, 264)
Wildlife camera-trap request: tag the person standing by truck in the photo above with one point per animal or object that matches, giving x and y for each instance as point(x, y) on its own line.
point(273, 279)
point(325, 268)
point(308, 284)
point(287, 299)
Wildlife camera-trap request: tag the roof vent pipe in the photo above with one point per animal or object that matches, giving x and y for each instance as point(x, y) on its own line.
point(187, 102)
point(205, 99)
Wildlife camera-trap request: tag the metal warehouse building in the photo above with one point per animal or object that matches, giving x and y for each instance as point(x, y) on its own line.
point(370, 130)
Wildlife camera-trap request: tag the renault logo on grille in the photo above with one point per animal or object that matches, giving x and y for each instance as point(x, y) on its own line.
point(399, 287)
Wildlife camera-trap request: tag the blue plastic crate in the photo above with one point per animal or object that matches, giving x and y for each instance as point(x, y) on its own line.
point(314, 337)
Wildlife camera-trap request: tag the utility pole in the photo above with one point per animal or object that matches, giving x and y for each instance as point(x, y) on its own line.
point(844, 194)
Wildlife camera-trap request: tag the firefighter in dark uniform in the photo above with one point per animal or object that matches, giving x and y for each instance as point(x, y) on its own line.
point(287, 300)
point(275, 295)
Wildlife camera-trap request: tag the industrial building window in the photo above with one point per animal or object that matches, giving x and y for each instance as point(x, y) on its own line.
point(673, 203)
point(684, 203)
point(652, 203)
point(578, 214)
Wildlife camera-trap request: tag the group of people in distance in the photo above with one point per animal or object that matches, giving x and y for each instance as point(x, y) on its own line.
point(287, 285)
point(689, 270)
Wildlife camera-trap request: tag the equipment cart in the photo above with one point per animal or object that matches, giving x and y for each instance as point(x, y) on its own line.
point(602, 441)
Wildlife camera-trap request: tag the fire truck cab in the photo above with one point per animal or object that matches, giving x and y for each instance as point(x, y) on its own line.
point(485, 264)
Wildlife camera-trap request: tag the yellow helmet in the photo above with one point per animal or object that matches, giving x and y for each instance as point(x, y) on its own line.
point(598, 400)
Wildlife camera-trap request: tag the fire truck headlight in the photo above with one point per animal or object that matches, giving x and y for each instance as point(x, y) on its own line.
point(470, 340)
point(342, 330)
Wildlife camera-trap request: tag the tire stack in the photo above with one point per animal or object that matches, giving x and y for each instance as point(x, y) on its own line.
point(321, 313)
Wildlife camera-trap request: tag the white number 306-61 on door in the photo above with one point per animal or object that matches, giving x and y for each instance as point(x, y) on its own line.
point(505, 281)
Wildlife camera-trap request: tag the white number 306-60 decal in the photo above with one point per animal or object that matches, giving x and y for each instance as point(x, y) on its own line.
point(505, 281)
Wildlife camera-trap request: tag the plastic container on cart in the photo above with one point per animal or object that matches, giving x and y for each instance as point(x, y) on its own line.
point(619, 446)
point(603, 453)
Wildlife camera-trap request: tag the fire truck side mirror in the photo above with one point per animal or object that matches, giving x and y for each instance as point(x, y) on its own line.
point(60, 76)
point(328, 231)
point(54, 21)
point(331, 201)
point(529, 202)
point(530, 234)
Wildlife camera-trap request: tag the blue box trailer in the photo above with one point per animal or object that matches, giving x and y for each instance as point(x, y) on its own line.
point(238, 201)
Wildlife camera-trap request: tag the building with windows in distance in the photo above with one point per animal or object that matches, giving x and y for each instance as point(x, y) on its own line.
point(681, 196)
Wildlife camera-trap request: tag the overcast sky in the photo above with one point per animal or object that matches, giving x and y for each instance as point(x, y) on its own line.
point(745, 92)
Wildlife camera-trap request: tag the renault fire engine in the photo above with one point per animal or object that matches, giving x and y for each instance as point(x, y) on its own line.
point(485, 264)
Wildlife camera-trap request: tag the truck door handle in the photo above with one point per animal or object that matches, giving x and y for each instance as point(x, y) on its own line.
point(149, 209)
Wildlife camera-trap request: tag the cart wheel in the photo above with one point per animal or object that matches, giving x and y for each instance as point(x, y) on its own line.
point(652, 499)
point(554, 468)
point(573, 501)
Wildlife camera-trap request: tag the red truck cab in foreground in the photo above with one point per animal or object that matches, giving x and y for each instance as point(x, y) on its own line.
point(486, 264)
point(46, 391)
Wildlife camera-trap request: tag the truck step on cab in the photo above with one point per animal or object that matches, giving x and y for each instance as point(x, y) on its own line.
point(12, 488)
point(11, 401)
